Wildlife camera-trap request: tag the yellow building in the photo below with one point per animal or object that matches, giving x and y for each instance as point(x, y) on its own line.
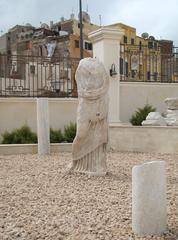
point(140, 57)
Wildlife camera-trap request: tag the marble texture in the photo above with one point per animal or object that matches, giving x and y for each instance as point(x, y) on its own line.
point(89, 146)
point(172, 111)
point(43, 126)
point(149, 214)
point(172, 103)
point(154, 119)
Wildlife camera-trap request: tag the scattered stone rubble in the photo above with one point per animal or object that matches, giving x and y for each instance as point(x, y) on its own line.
point(171, 119)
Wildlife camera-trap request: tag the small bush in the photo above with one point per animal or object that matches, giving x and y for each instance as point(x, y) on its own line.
point(70, 132)
point(140, 115)
point(56, 136)
point(19, 136)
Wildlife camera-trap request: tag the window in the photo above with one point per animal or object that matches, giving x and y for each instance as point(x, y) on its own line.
point(140, 46)
point(133, 73)
point(155, 45)
point(148, 75)
point(88, 46)
point(121, 66)
point(132, 41)
point(126, 69)
point(150, 45)
point(32, 69)
point(76, 44)
point(155, 76)
point(125, 39)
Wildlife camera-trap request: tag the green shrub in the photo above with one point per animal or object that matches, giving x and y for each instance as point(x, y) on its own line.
point(70, 132)
point(19, 136)
point(56, 136)
point(140, 115)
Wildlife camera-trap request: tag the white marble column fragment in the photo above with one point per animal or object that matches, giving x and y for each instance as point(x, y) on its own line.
point(43, 126)
point(149, 214)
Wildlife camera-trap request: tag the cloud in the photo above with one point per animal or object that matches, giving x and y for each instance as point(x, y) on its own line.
point(157, 17)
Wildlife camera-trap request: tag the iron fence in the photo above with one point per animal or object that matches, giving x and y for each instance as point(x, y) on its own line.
point(32, 76)
point(150, 63)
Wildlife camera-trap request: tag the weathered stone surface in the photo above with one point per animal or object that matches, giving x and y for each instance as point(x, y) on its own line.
point(171, 121)
point(149, 215)
point(154, 119)
point(43, 126)
point(153, 115)
point(172, 116)
point(172, 103)
point(89, 146)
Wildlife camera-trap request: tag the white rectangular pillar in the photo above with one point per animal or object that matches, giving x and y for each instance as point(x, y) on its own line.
point(106, 47)
point(43, 126)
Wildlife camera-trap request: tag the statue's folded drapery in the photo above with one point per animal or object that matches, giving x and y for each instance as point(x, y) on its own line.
point(89, 146)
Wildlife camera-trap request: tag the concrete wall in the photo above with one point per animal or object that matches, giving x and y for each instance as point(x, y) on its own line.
point(122, 138)
point(136, 95)
point(14, 112)
point(144, 139)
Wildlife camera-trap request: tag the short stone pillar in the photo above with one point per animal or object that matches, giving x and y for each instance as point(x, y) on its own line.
point(43, 126)
point(149, 214)
point(106, 47)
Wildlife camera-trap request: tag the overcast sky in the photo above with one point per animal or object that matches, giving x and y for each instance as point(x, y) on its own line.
point(157, 17)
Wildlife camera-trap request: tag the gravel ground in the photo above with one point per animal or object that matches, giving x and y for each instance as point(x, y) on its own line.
point(38, 200)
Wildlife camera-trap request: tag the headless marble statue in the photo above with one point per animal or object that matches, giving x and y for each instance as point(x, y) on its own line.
point(89, 146)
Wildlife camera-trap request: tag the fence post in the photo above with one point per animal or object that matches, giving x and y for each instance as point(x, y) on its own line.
point(106, 47)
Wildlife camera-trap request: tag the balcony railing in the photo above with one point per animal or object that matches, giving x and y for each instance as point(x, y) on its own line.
point(149, 63)
point(31, 76)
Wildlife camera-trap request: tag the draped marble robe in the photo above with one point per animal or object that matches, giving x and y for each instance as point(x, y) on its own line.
point(89, 146)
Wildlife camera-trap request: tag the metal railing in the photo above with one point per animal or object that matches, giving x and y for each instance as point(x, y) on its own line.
point(148, 63)
point(33, 76)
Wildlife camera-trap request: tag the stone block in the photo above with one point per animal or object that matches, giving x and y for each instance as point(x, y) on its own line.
point(149, 214)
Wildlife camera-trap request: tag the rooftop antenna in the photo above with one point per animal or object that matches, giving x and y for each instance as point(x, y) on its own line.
point(100, 20)
point(72, 16)
point(87, 7)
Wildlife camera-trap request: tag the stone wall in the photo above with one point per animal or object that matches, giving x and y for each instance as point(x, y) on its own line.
point(135, 95)
point(14, 112)
point(144, 139)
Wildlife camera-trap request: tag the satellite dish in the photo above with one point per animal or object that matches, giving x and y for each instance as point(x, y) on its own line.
point(152, 38)
point(85, 17)
point(28, 25)
point(145, 35)
point(44, 25)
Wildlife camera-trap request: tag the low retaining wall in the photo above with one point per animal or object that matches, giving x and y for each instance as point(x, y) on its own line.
point(13, 149)
point(144, 139)
point(122, 138)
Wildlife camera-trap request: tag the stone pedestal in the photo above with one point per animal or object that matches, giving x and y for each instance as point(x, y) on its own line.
point(149, 215)
point(106, 47)
point(43, 126)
